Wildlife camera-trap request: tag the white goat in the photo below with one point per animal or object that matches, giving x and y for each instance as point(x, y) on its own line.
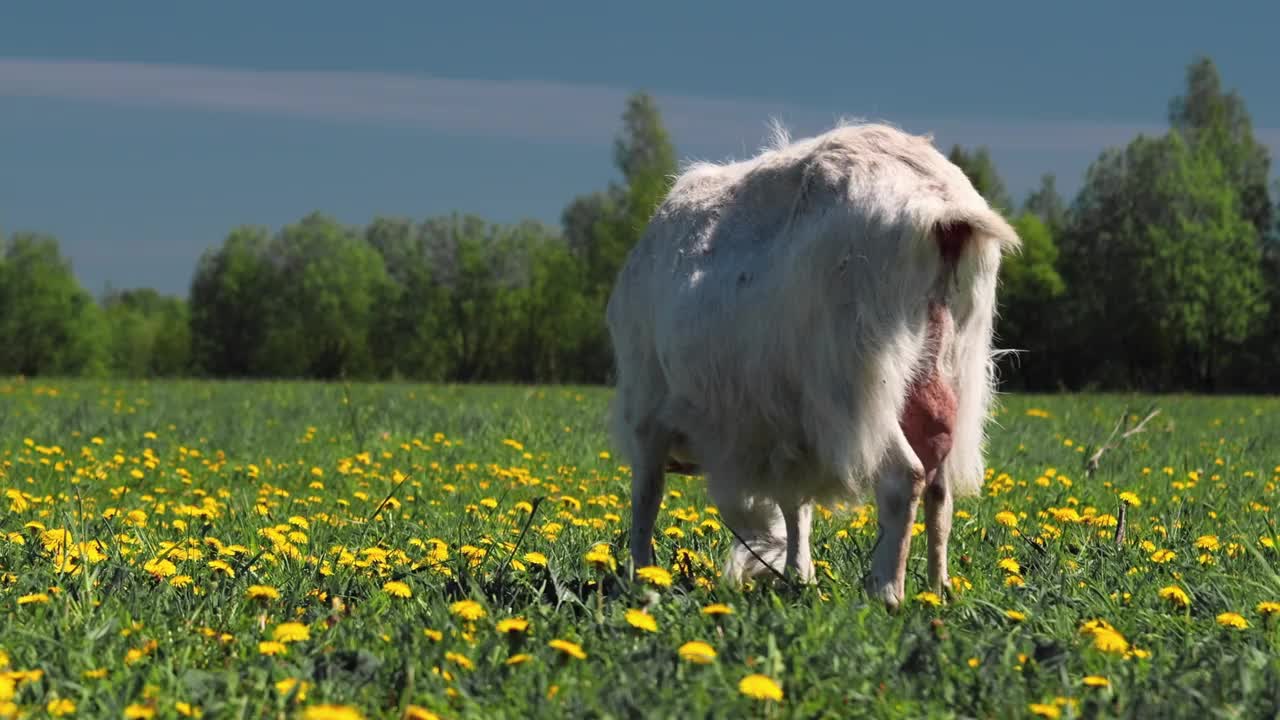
point(805, 326)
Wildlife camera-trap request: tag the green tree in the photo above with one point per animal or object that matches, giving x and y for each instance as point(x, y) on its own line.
point(228, 304)
point(1202, 271)
point(49, 325)
point(1045, 203)
point(1030, 291)
point(1164, 269)
point(408, 336)
point(602, 228)
point(1216, 119)
point(149, 334)
point(327, 284)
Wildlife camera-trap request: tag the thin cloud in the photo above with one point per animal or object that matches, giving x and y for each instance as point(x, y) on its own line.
point(542, 111)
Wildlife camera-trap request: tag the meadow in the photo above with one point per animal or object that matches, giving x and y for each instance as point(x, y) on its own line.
point(264, 550)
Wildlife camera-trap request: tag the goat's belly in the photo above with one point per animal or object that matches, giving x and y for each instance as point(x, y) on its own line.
point(928, 420)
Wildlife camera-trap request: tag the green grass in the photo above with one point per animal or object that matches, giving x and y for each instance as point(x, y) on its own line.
point(298, 476)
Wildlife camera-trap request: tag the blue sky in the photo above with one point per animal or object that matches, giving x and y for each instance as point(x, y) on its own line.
point(140, 133)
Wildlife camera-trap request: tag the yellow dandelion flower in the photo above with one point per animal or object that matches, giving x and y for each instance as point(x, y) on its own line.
point(1268, 607)
point(518, 658)
point(535, 558)
point(760, 687)
point(467, 609)
point(136, 711)
point(1010, 566)
point(417, 712)
point(642, 620)
point(1175, 595)
point(1129, 498)
point(395, 588)
point(1163, 556)
point(696, 651)
point(512, 625)
point(1015, 616)
point(60, 706)
point(1006, 518)
point(291, 632)
point(331, 712)
point(262, 592)
point(654, 575)
point(1096, 681)
point(272, 647)
point(568, 648)
point(460, 660)
point(928, 598)
point(1108, 640)
point(1230, 619)
point(1208, 542)
point(601, 557)
point(717, 609)
point(38, 598)
point(1045, 710)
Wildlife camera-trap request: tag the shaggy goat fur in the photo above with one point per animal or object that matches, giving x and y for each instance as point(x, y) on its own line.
point(771, 322)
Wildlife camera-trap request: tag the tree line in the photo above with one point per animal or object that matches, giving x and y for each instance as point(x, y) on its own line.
point(1162, 274)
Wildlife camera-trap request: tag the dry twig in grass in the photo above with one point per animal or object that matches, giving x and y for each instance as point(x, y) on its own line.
point(1113, 442)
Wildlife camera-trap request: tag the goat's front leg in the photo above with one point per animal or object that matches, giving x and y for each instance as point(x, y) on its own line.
point(798, 519)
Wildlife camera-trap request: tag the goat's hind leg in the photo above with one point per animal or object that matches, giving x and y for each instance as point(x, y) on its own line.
point(650, 442)
point(898, 489)
point(937, 517)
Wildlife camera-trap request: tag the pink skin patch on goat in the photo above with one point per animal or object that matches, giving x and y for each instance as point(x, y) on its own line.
point(928, 419)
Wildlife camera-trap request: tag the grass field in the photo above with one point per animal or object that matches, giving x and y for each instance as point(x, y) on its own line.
point(302, 550)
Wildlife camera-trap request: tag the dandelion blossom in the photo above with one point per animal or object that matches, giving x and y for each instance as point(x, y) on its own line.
point(1096, 681)
point(568, 648)
point(760, 687)
point(512, 625)
point(331, 712)
point(467, 609)
point(1175, 595)
point(272, 647)
point(262, 592)
point(696, 651)
point(655, 576)
point(601, 557)
point(928, 598)
point(395, 588)
point(1015, 616)
point(417, 712)
point(642, 620)
point(1045, 710)
point(291, 632)
point(1110, 641)
point(1268, 607)
point(1230, 619)
point(717, 609)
